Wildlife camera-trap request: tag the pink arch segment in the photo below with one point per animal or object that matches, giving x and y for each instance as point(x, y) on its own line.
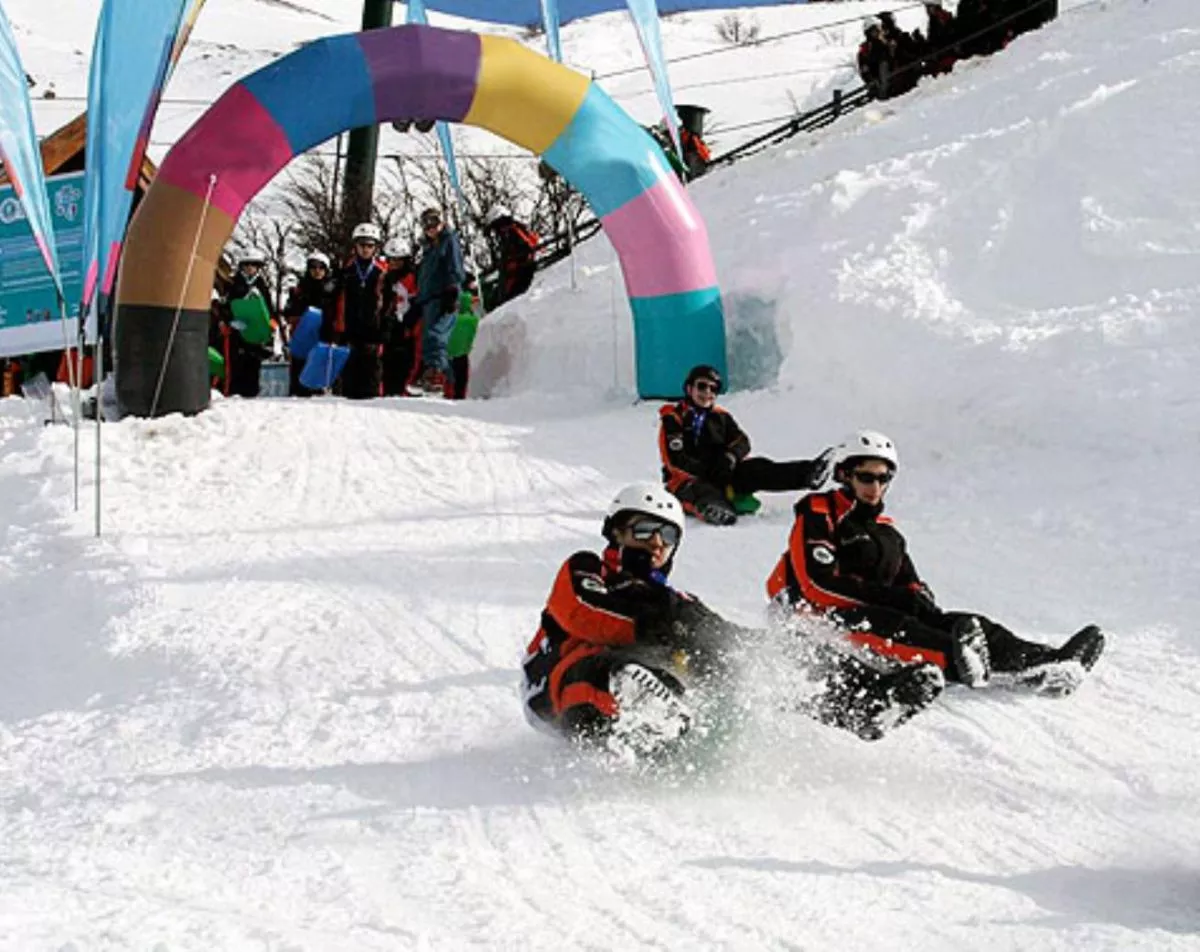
point(656, 263)
point(247, 154)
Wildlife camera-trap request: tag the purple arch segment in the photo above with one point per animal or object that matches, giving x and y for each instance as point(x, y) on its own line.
point(420, 73)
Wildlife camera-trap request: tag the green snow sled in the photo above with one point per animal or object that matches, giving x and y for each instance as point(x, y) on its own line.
point(253, 317)
point(744, 504)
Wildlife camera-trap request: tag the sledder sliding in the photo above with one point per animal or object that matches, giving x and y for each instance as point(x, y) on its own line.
point(847, 563)
point(622, 659)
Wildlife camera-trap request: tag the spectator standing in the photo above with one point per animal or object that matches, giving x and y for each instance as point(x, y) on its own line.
point(462, 339)
point(401, 321)
point(243, 359)
point(318, 289)
point(360, 303)
point(439, 277)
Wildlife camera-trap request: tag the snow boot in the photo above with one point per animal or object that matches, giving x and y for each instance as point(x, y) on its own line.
point(1085, 646)
point(650, 715)
point(906, 692)
point(1064, 670)
point(969, 652)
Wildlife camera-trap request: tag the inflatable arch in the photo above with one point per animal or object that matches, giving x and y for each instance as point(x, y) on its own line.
point(417, 72)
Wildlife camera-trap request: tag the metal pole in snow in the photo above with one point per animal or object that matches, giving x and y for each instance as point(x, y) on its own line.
point(99, 415)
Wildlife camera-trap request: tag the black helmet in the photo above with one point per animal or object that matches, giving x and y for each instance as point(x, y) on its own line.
point(703, 372)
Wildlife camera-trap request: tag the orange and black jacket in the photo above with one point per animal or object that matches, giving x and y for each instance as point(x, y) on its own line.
point(693, 443)
point(594, 606)
point(844, 554)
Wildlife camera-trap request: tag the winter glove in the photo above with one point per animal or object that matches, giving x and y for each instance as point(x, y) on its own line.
point(718, 513)
point(450, 301)
point(822, 469)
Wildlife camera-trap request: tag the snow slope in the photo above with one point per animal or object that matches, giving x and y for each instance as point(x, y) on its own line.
point(235, 37)
point(275, 707)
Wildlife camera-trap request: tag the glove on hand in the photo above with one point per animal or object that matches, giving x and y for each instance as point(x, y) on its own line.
point(450, 301)
point(718, 514)
point(822, 469)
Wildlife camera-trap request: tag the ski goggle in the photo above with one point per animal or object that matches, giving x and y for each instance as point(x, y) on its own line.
point(867, 479)
point(643, 530)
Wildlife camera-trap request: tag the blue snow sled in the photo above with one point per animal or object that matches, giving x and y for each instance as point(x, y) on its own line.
point(307, 333)
point(324, 365)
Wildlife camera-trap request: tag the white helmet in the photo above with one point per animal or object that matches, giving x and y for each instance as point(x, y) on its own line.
point(497, 213)
point(366, 230)
point(650, 499)
point(868, 444)
point(871, 23)
point(252, 256)
point(318, 257)
point(395, 249)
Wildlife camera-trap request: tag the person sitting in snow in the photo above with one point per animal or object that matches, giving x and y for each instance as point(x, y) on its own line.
point(706, 459)
point(603, 665)
point(847, 561)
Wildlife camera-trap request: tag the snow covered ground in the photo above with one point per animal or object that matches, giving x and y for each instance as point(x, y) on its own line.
point(275, 707)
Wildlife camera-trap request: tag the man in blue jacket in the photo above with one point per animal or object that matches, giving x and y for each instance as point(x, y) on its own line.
point(439, 277)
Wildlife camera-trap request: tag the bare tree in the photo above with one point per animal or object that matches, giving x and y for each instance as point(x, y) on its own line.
point(737, 30)
point(305, 214)
point(272, 236)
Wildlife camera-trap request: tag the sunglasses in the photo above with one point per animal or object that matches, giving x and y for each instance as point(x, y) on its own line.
point(643, 530)
point(366, 243)
point(868, 478)
point(707, 386)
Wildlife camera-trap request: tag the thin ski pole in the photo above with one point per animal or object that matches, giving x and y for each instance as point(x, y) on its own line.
point(99, 416)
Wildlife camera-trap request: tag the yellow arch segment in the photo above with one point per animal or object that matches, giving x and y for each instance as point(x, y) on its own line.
point(523, 96)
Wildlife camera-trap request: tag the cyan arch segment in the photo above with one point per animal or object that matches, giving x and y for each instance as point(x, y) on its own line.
point(419, 72)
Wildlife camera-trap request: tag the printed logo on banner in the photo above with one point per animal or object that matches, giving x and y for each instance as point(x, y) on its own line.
point(29, 309)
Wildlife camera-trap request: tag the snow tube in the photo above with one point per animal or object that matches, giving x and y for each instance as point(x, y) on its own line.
point(307, 333)
point(216, 363)
point(418, 73)
point(324, 365)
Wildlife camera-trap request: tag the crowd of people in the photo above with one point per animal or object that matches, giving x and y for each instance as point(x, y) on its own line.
point(605, 664)
point(891, 61)
point(408, 321)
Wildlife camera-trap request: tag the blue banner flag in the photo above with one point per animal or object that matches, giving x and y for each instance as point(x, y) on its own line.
point(21, 157)
point(132, 55)
point(645, 19)
point(550, 25)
